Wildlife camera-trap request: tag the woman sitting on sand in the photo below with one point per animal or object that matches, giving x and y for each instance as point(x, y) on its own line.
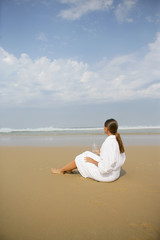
point(103, 165)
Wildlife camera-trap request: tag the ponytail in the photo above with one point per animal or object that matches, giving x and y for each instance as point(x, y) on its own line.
point(120, 143)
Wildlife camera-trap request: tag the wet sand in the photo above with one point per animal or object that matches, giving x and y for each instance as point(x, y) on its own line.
point(38, 205)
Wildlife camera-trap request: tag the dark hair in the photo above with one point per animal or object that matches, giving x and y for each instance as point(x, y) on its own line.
point(112, 126)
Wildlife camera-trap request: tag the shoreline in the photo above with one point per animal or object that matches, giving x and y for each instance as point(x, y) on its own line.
point(38, 205)
point(49, 139)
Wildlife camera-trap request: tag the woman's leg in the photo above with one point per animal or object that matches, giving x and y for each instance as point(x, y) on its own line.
point(67, 168)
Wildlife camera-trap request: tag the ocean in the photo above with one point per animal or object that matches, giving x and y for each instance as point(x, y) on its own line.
point(50, 136)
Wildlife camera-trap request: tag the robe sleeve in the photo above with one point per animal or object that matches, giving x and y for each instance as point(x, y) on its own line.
point(107, 158)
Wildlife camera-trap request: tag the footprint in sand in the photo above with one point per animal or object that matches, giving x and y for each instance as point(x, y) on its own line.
point(148, 230)
point(133, 225)
point(150, 226)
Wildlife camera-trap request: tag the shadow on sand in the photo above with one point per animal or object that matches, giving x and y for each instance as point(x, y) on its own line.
point(123, 172)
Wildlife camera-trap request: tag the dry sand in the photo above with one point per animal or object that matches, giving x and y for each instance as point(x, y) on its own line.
point(37, 205)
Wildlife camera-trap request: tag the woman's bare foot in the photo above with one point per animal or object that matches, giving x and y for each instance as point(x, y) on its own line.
point(58, 171)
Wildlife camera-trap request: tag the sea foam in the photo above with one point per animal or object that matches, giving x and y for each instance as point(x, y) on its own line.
point(79, 130)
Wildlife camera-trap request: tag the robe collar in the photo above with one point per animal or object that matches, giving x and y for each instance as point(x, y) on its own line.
point(111, 137)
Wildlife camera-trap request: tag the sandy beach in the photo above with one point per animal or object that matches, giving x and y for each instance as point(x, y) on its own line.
point(37, 205)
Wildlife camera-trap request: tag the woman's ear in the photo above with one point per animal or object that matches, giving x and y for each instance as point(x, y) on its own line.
point(105, 129)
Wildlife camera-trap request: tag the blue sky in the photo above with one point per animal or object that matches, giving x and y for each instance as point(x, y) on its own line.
point(76, 57)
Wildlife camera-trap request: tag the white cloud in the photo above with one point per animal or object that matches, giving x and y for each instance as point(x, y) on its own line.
point(77, 8)
point(154, 19)
point(43, 82)
point(124, 9)
point(42, 37)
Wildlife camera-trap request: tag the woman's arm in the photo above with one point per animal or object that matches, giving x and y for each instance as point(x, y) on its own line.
point(91, 160)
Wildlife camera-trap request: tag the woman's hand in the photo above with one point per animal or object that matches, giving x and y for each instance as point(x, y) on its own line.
point(88, 159)
point(91, 160)
point(97, 152)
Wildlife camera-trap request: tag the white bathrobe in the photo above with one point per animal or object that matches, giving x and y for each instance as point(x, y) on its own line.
point(109, 162)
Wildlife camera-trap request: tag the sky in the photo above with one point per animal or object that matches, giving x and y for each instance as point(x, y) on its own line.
point(70, 63)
